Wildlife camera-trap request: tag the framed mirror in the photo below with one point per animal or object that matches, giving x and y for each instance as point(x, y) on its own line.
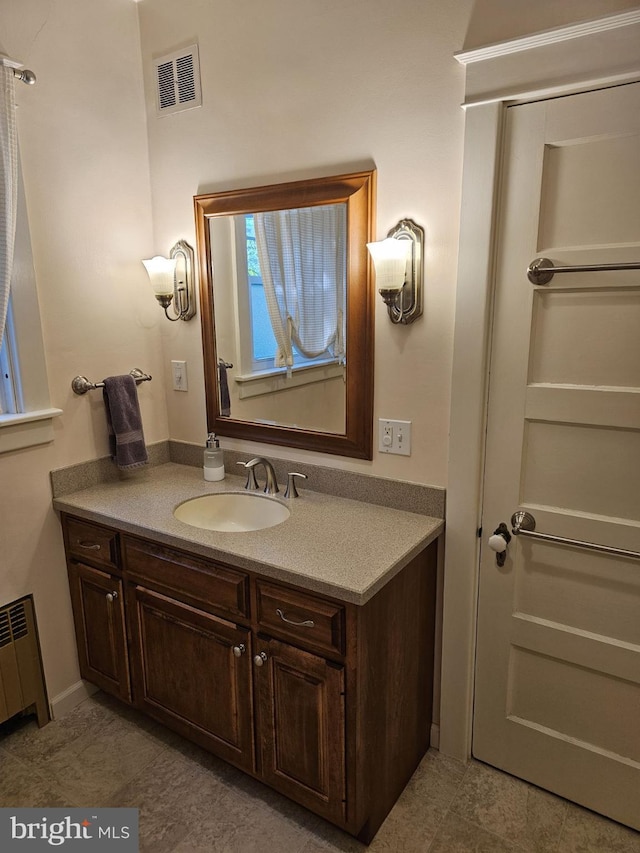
point(287, 312)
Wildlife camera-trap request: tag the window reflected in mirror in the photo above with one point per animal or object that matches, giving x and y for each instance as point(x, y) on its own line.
point(291, 287)
point(287, 312)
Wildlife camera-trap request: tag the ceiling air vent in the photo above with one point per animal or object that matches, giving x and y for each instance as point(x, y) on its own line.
point(178, 81)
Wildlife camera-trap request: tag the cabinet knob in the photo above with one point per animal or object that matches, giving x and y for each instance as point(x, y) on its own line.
point(238, 651)
point(260, 659)
point(111, 596)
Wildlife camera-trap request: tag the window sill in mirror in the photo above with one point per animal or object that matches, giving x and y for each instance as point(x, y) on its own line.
point(27, 429)
point(276, 379)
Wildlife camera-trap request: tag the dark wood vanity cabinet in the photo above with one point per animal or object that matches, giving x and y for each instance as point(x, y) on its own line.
point(326, 701)
point(301, 726)
point(97, 598)
point(192, 671)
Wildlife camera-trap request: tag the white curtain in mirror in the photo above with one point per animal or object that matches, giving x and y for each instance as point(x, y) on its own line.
point(8, 187)
point(302, 257)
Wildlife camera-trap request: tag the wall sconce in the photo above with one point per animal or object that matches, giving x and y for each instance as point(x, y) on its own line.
point(171, 278)
point(398, 265)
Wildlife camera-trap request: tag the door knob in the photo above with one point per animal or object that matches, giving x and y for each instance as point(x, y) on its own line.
point(238, 651)
point(111, 596)
point(260, 659)
point(498, 542)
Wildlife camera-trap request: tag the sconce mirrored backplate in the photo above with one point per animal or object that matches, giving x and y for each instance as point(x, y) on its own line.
point(184, 299)
point(409, 303)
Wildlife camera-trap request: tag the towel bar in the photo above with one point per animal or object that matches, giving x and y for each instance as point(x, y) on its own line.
point(542, 270)
point(80, 384)
point(524, 524)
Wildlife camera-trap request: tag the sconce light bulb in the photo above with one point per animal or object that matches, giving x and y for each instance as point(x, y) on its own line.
point(390, 258)
point(161, 273)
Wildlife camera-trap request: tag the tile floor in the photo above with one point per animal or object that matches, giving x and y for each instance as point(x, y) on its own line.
point(104, 754)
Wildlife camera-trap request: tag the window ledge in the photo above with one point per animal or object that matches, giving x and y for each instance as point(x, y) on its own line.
point(27, 429)
point(276, 379)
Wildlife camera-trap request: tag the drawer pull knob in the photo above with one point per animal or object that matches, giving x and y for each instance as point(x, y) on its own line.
point(89, 546)
point(308, 623)
point(260, 659)
point(238, 651)
point(111, 596)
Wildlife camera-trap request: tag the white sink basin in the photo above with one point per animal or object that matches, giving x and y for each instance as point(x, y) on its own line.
point(232, 513)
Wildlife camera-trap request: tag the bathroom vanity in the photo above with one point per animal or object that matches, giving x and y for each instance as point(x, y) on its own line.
point(302, 654)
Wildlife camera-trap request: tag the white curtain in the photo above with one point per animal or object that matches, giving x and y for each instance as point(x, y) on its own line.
point(8, 186)
point(302, 257)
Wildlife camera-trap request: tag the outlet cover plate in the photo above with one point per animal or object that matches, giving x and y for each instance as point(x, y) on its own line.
point(394, 437)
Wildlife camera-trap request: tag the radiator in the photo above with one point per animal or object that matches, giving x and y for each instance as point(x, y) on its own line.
point(21, 679)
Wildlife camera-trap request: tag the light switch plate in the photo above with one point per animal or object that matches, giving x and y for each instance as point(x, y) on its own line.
point(394, 437)
point(179, 371)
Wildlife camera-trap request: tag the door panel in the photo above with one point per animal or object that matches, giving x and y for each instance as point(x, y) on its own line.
point(558, 656)
point(98, 608)
point(192, 672)
point(586, 702)
point(302, 727)
point(569, 216)
point(604, 463)
point(583, 590)
point(603, 345)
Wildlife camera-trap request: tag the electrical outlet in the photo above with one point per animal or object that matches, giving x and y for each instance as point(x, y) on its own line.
point(394, 437)
point(179, 369)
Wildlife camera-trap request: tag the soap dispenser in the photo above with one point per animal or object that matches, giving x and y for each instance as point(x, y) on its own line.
point(213, 459)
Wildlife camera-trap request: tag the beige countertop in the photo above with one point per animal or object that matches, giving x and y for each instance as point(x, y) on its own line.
point(343, 548)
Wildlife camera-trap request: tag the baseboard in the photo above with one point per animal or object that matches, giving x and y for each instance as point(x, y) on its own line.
point(69, 698)
point(435, 736)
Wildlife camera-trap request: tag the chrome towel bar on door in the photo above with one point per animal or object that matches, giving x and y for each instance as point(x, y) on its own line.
point(542, 270)
point(524, 524)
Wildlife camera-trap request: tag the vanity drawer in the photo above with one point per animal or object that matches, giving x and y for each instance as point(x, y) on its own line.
point(92, 542)
point(303, 618)
point(196, 581)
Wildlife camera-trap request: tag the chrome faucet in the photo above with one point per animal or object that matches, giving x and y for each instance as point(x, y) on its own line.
point(271, 486)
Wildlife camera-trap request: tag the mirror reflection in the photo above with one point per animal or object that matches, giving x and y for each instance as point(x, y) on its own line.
point(287, 312)
point(279, 286)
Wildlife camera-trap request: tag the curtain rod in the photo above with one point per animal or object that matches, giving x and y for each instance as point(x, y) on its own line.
point(20, 73)
point(25, 75)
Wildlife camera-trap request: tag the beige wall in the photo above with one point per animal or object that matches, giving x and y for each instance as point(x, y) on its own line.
point(83, 142)
point(302, 88)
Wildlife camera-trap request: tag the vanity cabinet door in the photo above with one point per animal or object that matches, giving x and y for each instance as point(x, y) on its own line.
point(98, 610)
point(301, 726)
point(192, 671)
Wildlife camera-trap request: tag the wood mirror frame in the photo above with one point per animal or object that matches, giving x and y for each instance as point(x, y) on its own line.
point(358, 192)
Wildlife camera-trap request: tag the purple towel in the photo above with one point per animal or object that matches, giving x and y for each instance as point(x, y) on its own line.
point(126, 441)
point(225, 400)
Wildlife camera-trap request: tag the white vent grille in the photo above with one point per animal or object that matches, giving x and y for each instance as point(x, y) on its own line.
point(178, 81)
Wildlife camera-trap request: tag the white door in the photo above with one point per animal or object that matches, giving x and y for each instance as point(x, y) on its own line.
point(558, 658)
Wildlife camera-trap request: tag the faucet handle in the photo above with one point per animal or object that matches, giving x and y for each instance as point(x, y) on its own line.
point(291, 491)
point(252, 483)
